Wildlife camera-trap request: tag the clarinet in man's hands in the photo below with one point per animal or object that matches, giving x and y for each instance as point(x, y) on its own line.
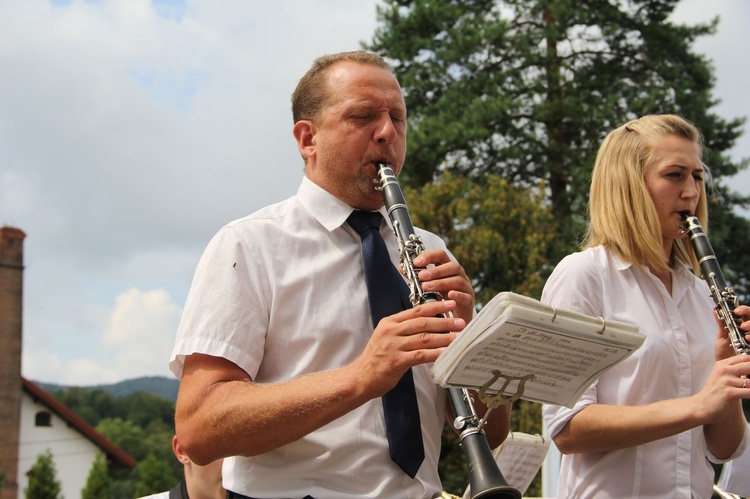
point(485, 478)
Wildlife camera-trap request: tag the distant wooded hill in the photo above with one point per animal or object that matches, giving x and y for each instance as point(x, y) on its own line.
point(157, 385)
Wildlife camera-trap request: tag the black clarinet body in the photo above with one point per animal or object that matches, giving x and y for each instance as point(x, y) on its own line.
point(485, 478)
point(724, 297)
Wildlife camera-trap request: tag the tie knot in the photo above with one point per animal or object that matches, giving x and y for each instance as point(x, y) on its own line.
point(362, 221)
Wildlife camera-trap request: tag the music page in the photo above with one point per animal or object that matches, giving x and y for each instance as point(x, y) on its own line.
point(521, 348)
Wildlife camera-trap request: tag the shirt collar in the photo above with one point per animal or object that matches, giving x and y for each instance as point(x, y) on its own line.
point(326, 208)
point(682, 276)
point(682, 271)
point(619, 263)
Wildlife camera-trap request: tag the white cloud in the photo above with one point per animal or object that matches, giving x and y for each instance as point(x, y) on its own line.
point(136, 340)
point(141, 332)
point(130, 134)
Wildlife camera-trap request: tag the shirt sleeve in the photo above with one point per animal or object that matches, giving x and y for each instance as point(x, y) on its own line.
point(226, 310)
point(574, 285)
point(740, 452)
point(734, 477)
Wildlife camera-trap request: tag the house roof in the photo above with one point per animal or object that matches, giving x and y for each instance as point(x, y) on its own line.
point(113, 452)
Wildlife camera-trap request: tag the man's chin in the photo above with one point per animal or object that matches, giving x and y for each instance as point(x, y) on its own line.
point(372, 202)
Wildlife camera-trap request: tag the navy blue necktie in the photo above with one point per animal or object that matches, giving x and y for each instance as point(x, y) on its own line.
point(388, 294)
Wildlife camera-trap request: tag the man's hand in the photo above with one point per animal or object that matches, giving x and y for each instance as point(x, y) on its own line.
point(445, 276)
point(403, 340)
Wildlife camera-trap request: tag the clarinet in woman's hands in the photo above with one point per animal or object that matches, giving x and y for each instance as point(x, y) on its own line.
point(724, 296)
point(485, 478)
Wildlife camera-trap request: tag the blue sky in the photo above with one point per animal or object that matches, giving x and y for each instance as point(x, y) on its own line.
point(131, 130)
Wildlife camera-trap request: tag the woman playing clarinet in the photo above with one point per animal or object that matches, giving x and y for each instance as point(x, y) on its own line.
point(649, 427)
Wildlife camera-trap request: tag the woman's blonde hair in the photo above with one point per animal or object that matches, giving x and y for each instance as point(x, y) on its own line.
point(622, 216)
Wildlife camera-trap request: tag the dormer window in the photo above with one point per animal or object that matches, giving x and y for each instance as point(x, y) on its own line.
point(43, 418)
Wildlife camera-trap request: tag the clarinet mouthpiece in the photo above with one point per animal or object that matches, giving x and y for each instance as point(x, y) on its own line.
point(683, 226)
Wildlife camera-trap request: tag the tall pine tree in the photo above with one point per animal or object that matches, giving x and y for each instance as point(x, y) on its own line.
point(528, 88)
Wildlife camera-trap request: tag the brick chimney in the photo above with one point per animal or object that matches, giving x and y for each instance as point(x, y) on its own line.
point(11, 312)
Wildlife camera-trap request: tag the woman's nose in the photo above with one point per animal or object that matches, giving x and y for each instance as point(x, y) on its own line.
point(691, 189)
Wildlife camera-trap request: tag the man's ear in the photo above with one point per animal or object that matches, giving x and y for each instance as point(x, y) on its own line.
point(304, 133)
point(179, 452)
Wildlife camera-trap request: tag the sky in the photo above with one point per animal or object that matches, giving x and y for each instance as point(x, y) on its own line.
point(132, 130)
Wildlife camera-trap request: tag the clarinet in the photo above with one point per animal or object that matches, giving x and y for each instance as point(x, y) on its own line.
point(485, 478)
point(724, 296)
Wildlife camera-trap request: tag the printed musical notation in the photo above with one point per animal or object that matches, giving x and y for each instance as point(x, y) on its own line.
point(517, 347)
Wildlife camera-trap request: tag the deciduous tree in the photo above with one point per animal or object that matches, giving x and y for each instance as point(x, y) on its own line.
point(499, 232)
point(154, 476)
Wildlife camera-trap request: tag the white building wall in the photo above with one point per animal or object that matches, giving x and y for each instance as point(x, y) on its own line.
point(72, 453)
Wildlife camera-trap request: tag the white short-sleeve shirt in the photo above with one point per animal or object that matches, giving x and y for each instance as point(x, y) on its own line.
point(674, 361)
point(281, 293)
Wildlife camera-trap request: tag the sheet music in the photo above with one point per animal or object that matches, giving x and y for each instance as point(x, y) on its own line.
point(532, 350)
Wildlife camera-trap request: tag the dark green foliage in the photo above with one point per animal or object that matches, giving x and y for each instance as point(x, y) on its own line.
point(98, 483)
point(43, 483)
point(154, 440)
point(93, 405)
point(158, 441)
point(154, 475)
point(125, 434)
point(123, 483)
point(141, 424)
point(500, 233)
point(728, 233)
point(528, 88)
point(143, 408)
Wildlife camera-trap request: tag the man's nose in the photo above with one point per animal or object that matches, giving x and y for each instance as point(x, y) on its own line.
point(386, 131)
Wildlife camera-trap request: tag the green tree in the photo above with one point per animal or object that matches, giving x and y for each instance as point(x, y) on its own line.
point(43, 483)
point(154, 475)
point(140, 423)
point(158, 441)
point(142, 408)
point(499, 232)
point(527, 88)
point(126, 435)
point(93, 405)
point(90, 405)
point(98, 483)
